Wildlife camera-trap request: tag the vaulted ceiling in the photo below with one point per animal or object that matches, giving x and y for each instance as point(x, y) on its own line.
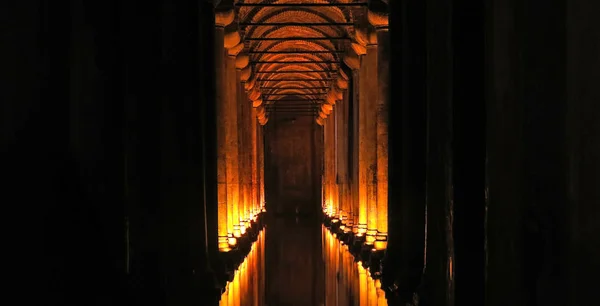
point(296, 50)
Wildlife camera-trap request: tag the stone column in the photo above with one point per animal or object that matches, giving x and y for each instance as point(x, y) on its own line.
point(380, 22)
point(225, 226)
point(582, 151)
point(439, 275)
point(354, 116)
point(343, 154)
point(370, 112)
point(326, 197)
point(335, 201)
point(254, 166)
point(362, 148)
point(243, 125)
point(231, 136)
point(261, 167)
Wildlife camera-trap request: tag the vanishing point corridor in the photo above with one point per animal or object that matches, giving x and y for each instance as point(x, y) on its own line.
point(301, 152)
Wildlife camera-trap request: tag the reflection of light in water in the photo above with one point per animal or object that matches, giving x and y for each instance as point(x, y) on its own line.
point(347, 280)
point(247, 287)
point(347, 283)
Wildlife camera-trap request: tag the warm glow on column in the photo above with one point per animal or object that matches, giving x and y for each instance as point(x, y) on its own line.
point(253, 131)
point(231, 135)
point(326, 191)
point(370, 61)
point(362, 150)
point(380, 21)
point(261, 167)
point(223, 226)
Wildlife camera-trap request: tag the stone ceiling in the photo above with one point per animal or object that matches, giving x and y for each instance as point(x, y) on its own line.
point(295, 49)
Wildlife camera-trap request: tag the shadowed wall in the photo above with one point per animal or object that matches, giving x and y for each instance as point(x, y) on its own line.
point(292, 170)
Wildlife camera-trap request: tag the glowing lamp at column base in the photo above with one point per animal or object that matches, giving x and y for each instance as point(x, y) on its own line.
point(223, 244)
point(381, 241)
point(243, 228)
point(362, 230)
point(232, 241)
point(237, 231)
point(370, 239)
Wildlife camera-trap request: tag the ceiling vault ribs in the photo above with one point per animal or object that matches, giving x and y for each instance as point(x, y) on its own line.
point(295, 49)
point(303, 24)
point(295, 38)
point(301, 4)
point(295, 52)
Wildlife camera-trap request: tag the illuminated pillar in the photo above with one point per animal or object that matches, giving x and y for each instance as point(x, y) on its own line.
point(370, 111)
point(342, 150)
point(254, 131)
point(362, 147)
point(335, 199)
point(261, 166)
point(243, 126)
point(225, 226)
point(329, 175)
point(380, 22)
point(231, 135)
point(354, 218)
point(326, 203)
point(245, 129)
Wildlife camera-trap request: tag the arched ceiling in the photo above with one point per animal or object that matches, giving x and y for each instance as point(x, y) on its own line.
point(296, 49)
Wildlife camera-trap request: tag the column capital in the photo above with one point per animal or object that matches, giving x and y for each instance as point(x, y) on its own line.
point(372, 38)
point(231, 39)
point(352, 60)
point(256, 103)
point(224, 18)
point(243, 60)
point(235, 50)
point(360, 36)
point(254, 94)
point(248, 78)
point(378, 19)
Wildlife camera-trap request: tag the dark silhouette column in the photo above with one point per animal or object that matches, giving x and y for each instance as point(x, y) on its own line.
point(583, 151)
point(404, 262)
point(439, 273)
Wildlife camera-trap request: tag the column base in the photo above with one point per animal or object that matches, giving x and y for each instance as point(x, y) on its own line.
point(380, 241)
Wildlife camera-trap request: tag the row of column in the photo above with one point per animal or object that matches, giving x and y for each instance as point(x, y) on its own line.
point(239, 137)
point(363, 211)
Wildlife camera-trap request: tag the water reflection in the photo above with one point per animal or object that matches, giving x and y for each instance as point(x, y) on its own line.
point(248, 285)
point(305, 268)
point(347, 282)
